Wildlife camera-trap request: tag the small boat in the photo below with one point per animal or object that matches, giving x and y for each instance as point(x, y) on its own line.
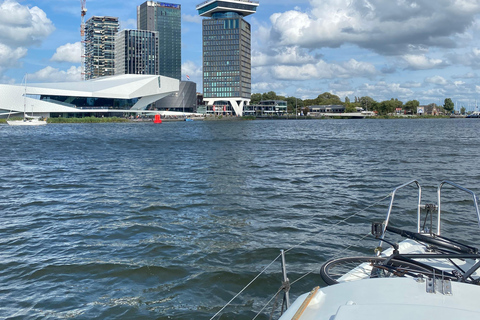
point(188, 119)
point(425, 276)
point(27, 120)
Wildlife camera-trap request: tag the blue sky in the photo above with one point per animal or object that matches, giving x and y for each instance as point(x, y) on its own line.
point(405, 49)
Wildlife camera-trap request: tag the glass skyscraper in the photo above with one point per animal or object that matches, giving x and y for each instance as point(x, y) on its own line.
point(136, 52)
point(226, 42)
point(165, 18)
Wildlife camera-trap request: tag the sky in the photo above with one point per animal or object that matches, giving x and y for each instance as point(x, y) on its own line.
point(402, 49)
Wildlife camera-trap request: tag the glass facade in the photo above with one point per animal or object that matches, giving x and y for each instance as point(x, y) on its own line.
point(226, 56)
point(165, 18)
point(91, 103)
point(100, 46)
point(136, 52)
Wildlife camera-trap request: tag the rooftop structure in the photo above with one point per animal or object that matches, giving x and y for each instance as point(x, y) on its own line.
point(242, 7)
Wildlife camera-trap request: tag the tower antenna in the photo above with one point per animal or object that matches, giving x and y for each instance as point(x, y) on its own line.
point(82, 34)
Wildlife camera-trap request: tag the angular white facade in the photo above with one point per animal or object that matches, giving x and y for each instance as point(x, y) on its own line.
point(62, 96)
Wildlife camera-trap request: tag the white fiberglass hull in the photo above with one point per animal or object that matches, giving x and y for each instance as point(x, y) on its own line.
point(357, 297)
point(387, 298)
point(27, 122)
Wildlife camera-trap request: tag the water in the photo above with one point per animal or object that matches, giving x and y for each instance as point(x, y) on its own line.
point(143, 221)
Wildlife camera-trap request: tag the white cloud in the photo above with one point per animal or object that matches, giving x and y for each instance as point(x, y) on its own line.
point(10, 56)
point(388, 27)
point(22, 26)
point(318, 70)
point(192, 70)
point(385, 90)
point(282, 55)
point(190, 18)
point(50, 74)
point(471, 59)
point(421, 62)
point(411, 84)
point(6, 80)
point(260, 87)
point(468, 75)
point(70, 52)
point(436, 80)
point(128, 24)
point(433, 95)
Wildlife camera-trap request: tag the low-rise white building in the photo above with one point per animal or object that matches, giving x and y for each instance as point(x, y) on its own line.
point(116, 94)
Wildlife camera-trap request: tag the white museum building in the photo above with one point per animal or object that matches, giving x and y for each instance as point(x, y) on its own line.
point(119, 94)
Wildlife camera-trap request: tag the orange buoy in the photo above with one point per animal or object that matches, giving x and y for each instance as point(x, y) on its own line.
point(157, 119)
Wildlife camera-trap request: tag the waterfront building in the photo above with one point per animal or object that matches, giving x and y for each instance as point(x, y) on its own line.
point(136, 52)
point(115, 95)
point(326, 109)
point(185, 100)
point(165, 18)
point(267, 107)
point(227, 53)
point(100, 46)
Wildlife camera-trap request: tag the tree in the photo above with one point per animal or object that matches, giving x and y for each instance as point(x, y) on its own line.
point(367, 103)
point(350, 107)
point(269, 96)
point(255, 98)
point(448, 105)
point(462, 110)
point(411, 106)
point(327, 98)
point(389, 106)
point(293, 102)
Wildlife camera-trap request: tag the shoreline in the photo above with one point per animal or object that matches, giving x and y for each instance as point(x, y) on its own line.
point(232, 118)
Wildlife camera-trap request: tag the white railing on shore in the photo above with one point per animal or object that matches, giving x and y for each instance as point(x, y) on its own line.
point(210, 1)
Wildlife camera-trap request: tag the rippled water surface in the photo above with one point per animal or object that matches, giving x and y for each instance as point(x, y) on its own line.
point(143, 221)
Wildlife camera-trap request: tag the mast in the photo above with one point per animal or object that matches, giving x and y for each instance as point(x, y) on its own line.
point(25, 98)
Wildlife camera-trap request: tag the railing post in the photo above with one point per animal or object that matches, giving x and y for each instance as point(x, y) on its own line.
point(286, 282)
point(387, 219)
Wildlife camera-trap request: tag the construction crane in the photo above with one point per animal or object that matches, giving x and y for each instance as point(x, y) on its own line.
point(82, 33)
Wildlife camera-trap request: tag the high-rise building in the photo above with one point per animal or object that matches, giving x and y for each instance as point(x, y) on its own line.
point(100, 46)
point(136, 52)
point(226, 52)
point(166, 19)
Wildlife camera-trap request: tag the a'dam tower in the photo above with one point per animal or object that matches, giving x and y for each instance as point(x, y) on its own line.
point(227, 76)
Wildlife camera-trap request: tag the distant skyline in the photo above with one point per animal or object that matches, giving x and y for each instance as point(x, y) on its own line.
point(405, 49)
